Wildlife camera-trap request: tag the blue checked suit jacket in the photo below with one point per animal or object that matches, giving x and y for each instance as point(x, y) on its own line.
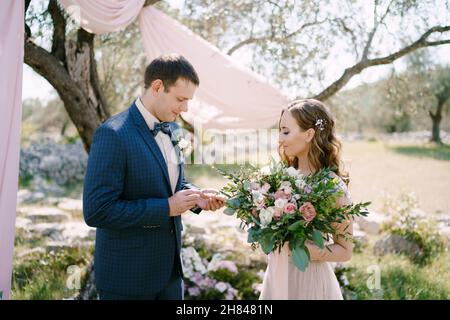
point(126, 191)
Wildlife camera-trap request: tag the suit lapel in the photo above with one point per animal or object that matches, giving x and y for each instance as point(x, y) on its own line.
point(146, 134)
point(180, 166)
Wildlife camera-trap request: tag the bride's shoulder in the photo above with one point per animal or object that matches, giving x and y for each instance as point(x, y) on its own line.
point(341, 183)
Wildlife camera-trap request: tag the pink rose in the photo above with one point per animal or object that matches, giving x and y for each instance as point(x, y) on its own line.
point(255, 186)
point(281, 195)
point(290, 208)
point(265, 188)
point(308, 211)
point(278, 212)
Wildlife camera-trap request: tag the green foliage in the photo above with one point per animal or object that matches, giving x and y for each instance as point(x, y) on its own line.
point(422, 231)
point(242, 281)
point(43, 276)
point(254, 194)
point(433, 151)
point(400, 278)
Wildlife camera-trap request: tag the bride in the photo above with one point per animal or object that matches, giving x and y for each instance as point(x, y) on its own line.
point(308, 143)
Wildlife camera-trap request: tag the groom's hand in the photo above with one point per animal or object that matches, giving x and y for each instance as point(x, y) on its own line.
point(210, 200)
point(182, 201)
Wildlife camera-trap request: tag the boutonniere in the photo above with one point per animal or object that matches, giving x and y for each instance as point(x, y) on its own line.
point(183, 144)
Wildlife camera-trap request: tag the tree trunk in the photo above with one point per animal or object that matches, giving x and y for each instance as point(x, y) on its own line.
point(436, 137)
point(436, 122)
point(71, 69)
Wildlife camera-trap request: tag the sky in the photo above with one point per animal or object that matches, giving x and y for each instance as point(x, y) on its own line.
point(35, 86)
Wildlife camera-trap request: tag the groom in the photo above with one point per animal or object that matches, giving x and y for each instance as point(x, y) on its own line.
point(135, 190)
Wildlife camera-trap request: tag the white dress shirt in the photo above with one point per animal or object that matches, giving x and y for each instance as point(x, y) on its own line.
point(165, 145)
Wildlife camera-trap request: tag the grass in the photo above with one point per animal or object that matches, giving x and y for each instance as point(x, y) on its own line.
point(432, 151)
point(400, 279)
point(378, 170)
point(45, 276)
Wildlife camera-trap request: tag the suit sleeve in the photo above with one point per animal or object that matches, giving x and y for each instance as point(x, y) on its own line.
point(103, 187)
point(186, 185)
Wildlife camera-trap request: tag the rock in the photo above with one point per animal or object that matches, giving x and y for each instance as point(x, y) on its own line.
point(443, 219)
point(25, 196)
point(50, 163)
point(444, 231)
point(71, 205)
point(372, 223)
point(56, 246)
point(418, 214)
point(193, 230)
point(360, 237)
point(44, 214)
point(27, 252)
point(52, 201)
point(52, 230)
point(396, 244)
point(73, 231)
point(23, 223)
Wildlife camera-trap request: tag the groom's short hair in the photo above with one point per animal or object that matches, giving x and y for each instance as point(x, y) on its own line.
point(169, 68)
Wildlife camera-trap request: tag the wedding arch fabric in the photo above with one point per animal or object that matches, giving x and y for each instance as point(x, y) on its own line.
point(11, 63)
point(230, 96)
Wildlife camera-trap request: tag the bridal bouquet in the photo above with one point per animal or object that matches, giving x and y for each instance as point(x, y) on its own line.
point(277, 204)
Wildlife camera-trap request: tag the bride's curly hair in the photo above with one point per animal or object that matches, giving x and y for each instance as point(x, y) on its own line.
point(325, 148)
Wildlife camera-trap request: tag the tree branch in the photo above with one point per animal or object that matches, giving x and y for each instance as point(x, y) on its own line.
point(84, 37)
point(150, 2)
point(271, 37)
point(376, 23)
point(27, 4)
point(59, 31)
point(363, 64)
point(27, 28)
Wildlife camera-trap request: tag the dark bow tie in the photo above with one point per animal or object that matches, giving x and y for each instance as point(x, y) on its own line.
point(164, 127)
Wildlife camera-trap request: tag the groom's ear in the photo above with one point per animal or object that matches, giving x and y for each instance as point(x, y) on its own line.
point(157, 85)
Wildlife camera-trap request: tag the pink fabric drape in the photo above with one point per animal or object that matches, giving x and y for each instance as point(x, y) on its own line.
point(229, 96)
point(102, 16)
point(11, 62)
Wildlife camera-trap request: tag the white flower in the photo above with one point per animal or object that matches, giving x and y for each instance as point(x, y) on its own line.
point(265, 216)
point(258, 197)
point(183, 144)
point(292, 172)
point(286, 187)
point(265, 188)
point(285, 184)
point(221, 286)
point(265, 170)
point(281, 203)
point(300, 183)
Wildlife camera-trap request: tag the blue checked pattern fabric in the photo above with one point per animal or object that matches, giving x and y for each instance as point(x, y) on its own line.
point(126, 191)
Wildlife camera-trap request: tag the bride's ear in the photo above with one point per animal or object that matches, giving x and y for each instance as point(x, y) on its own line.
point(310, 134)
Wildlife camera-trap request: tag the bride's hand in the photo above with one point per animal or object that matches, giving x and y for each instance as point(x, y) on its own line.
point(210, 200)
point(212, 194)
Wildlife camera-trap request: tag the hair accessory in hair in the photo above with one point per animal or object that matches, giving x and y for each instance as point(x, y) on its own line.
point(320, 124)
